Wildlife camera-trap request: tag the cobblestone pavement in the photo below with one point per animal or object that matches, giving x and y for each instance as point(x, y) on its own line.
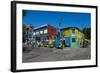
point(45, 54)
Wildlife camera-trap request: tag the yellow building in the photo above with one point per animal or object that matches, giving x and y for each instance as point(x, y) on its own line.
point(73, 36)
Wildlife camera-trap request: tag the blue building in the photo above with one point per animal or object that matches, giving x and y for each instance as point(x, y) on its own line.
point(44, 34)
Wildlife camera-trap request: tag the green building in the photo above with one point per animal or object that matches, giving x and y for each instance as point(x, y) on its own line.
point(72, 36)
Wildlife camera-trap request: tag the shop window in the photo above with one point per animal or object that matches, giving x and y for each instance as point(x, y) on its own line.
point(73, 40)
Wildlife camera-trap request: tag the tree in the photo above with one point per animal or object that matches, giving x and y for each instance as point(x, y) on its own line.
point(25, 36)
point(27, 32)
point(24, 13)
point(87, 33)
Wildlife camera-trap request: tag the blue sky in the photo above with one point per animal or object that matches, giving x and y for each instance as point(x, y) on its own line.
point(67, 19)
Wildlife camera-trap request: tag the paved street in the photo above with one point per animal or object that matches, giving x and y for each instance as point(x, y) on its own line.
point(52, 54)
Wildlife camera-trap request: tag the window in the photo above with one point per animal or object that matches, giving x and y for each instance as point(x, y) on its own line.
point(45, 31)
point(41, 32)
point(73, 40)
point(37, 33)
point(33, 33)
point(73, 31)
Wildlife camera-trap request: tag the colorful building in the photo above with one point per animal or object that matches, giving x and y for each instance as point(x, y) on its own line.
point(44, 34)
point(72, 36)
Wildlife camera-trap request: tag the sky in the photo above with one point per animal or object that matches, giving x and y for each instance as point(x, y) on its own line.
point(66, 19)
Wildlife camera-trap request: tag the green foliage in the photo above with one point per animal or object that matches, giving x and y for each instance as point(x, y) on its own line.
point(25, 36)
point(24, 12)
point(87, 33)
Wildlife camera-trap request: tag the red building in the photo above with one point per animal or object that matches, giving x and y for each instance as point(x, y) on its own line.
point(45, 34)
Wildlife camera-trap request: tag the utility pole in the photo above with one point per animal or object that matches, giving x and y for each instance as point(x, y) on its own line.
point(60, 34)
point(60, 22)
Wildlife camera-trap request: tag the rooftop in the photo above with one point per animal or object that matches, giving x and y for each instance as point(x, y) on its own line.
point(71, 28)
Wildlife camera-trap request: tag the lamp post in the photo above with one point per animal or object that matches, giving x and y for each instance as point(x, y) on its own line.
point(60, 35)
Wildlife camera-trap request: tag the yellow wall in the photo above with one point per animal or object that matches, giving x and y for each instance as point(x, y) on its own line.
point(67, 33)
point(76, 32)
